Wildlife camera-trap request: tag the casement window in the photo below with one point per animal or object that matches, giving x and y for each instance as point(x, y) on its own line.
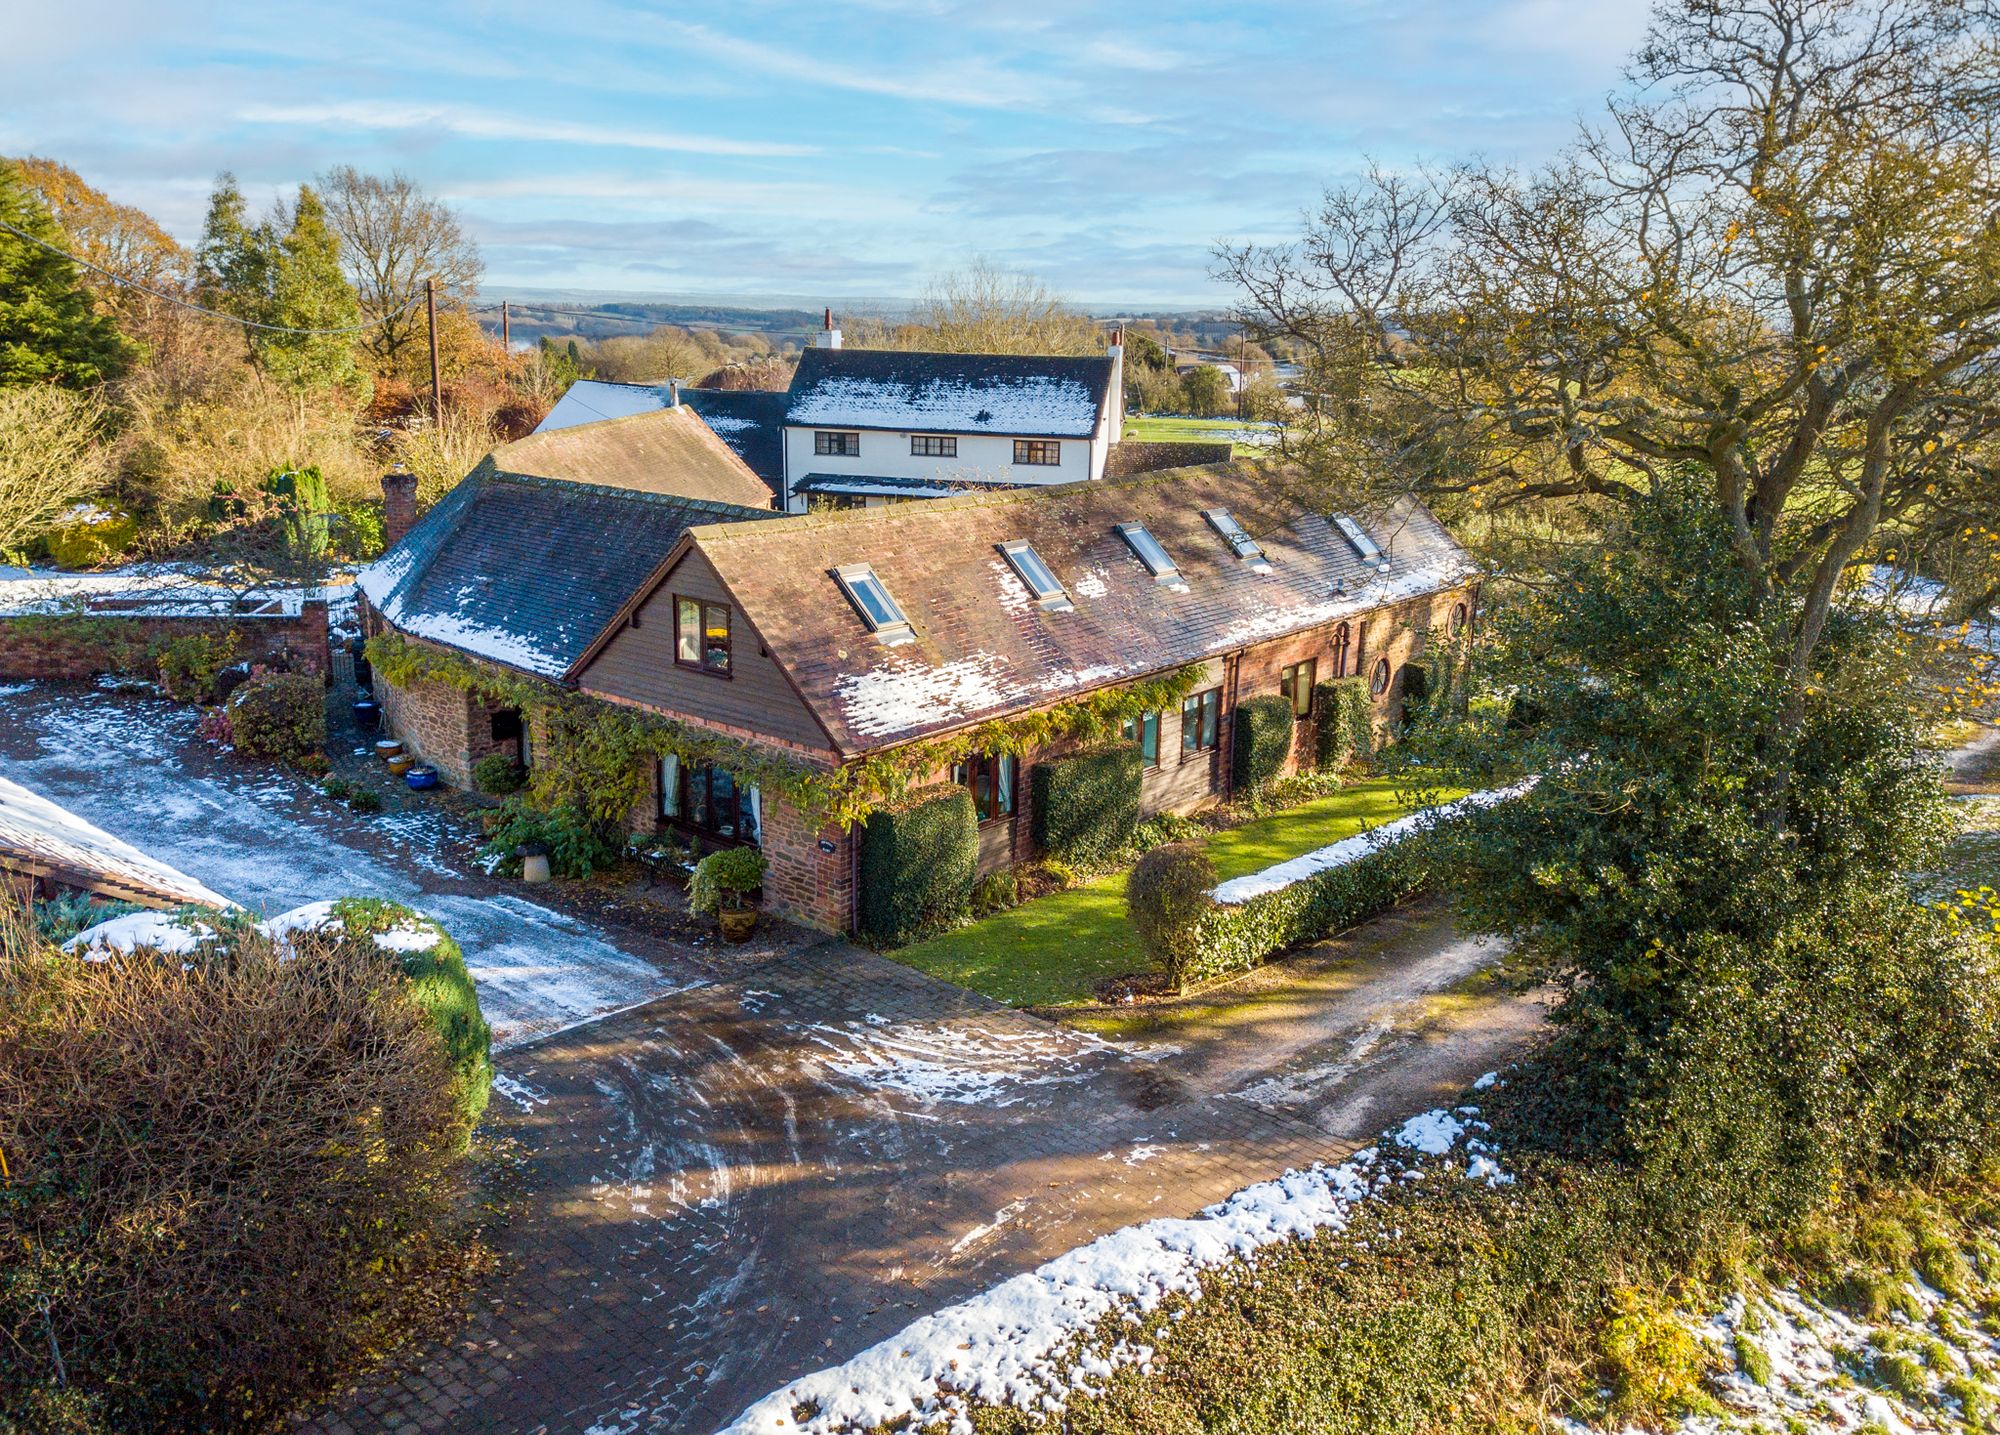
point(1146, 732)
point(836, 445)
point(1041, 451)
point(1336, 658)
point(1378, 681)
point(1295, 684)
point(704, 797)
point(701, 635)
point(833, 502)
point(924, 445)
point(990, 778)
point(1201, 722)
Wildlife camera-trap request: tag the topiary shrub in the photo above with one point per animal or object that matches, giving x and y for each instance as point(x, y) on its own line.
point(918, 860)
point(498, 773)
point(1346, 723)
point(1262, 740)
point(1165, 898)
point(1086, 806)
point(231, 1182)
point(279, 715)
point(191, 664)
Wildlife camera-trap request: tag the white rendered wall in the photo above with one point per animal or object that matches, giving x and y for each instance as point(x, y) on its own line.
point(885, 453)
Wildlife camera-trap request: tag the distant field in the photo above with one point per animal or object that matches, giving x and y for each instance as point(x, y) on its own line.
point(1169, 428)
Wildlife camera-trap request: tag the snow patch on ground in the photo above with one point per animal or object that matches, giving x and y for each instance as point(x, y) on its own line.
point(938, 1064)
point(1013, 1344)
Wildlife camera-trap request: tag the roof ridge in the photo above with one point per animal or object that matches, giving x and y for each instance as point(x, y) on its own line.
point(648, 495)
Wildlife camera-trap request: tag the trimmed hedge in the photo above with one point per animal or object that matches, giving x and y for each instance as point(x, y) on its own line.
point(1346, 722)
point(1227, 940)
point(1165, 899)
point(918, 859)
point(280, 715)
point(1262, 741)
point(1086, 806)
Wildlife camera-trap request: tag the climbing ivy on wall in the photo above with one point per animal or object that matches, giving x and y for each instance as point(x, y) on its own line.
point(599, 758)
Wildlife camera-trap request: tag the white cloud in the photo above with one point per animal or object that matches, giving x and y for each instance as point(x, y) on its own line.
point(494, 125)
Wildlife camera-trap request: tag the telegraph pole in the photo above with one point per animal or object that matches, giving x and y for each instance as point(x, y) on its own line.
point(506, 339)
point(437, 385)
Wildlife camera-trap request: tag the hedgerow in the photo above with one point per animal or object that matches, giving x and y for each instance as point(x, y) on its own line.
point(1346, 730)
point(1263, 740)
point(1086, 806)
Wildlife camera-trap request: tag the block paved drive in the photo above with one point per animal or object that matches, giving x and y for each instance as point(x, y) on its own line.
point(761, 1176)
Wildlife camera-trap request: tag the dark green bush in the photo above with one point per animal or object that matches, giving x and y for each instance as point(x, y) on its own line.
point(576, 845)
point(279, 715)
point(190, 663)
point(1166, 897)
point(724, 879)
point(995, 892)
point(1263, 740)
point(1346, 722)
point(499, 774)
point(364, 799)
point(1087, 805)
point(918, 859)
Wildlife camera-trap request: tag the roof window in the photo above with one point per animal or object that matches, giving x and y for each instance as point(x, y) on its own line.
point(1238, 538)
point(1148, 551)
point(1357, 537)
point(871, 599)
point(1028, 564)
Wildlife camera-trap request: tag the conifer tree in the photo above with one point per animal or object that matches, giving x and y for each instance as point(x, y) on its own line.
point(50, 332)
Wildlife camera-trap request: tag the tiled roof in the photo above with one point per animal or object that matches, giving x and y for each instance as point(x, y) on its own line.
point(589, 401)
point(662, 450)
point(983, 646)
point(37, 836)
point(1037, 396)
point(892, 485)
point(526, 571)
point(751, 422)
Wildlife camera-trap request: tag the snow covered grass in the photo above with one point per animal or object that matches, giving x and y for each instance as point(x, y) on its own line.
point(1033, 1342)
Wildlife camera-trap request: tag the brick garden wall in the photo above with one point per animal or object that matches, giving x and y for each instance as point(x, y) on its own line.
point(82, 646)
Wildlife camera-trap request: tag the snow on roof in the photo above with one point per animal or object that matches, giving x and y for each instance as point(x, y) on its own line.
point(1006, 1345)
point(38, 836)
point(1008, 394)
point(143, 590)
point(587, 401)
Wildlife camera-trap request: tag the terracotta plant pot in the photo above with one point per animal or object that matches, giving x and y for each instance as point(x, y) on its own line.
point(388, 747)
point(737, 923)
point(401, 763)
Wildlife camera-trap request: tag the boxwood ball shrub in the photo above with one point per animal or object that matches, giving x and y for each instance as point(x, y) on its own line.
point(498, 774)
point(918, 860)
point(1165, 898)
point(1086, 806)
point(1346, 722)
point(279, 715)
point(1263, 740)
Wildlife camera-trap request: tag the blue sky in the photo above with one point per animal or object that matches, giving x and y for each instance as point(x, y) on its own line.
point(832, 150)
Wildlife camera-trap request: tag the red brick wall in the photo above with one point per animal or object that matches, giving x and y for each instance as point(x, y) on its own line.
point(57, 648)
point(806, 884)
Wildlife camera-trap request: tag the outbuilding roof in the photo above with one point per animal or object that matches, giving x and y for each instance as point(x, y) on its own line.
point(979, 644)
point(1032, 395)
point(41, 839)
point(526, 571)
point(661, 450)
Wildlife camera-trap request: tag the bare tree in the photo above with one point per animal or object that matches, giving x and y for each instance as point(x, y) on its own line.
point(987, 310)
point(394, 237)
point(1775, 265)
point(49, 458)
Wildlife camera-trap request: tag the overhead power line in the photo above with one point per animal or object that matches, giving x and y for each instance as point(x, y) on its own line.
point(163, 295)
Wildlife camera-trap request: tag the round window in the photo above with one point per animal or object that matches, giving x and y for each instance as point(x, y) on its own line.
point(1378, 681)
point(1459, 616)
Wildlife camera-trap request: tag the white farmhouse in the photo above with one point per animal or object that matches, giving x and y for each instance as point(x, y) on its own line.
point(865, 427)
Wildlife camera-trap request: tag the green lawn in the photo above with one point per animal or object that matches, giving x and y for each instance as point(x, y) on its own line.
point(1054, 952)
point(1171, 428)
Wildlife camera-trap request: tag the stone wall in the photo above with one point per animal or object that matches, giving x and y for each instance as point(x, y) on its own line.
point(83, 645)
point(434, 721)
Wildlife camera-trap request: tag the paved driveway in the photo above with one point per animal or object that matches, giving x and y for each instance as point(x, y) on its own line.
point(741, 1165)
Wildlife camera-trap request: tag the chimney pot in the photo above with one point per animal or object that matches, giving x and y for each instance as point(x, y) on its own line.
point(673, 393)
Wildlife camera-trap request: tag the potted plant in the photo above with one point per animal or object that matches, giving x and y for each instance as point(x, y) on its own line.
point(723, 883)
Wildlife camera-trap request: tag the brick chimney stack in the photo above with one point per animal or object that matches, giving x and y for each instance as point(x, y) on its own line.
point(399, 505)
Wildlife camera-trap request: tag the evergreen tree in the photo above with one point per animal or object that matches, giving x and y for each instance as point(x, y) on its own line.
point(49, 330)
point(310, 291)
point(235, 258)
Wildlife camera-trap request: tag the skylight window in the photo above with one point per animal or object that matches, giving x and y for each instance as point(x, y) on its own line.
point(1361, 542)
point(871, 599)
point(1028, 564)
point(1238, 538)
point(1148, 551)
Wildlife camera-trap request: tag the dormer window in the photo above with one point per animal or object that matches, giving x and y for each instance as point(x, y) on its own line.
point(1146, 548)
point(1041, 582)
point(872, 601)
point(1238, 538)
point(1358, 539)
